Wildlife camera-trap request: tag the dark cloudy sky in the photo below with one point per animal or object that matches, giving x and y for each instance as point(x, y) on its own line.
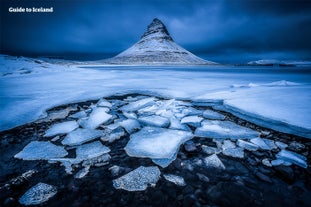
point(220, 30)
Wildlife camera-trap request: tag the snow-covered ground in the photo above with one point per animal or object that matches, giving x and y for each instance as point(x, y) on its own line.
point(278, 98)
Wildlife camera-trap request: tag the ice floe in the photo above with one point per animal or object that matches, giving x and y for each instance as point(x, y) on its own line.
point(175, 179)
point(91, 150)
point(154, 120)
point(247, 145)
point(136, 105)
point(292, 157)
point(223, 130)
point(38, 194)
point(97, 117)
point(130, 125)
point(156, 143)
point(80, 136)
point(104, 103)
point(213, 161)
point(209, 114)
point(41, 150)
point(194, 121)
point(138, 179)
point(61, 128)
point(261, 143)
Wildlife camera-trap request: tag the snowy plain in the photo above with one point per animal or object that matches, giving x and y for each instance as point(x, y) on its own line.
point(277, 98)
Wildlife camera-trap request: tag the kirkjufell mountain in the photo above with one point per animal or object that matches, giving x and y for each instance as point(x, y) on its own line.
point(157, 47)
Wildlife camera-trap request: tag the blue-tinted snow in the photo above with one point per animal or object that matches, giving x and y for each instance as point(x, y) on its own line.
point(281, 106)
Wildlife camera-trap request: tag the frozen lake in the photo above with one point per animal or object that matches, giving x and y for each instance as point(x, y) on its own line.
point(279, 98)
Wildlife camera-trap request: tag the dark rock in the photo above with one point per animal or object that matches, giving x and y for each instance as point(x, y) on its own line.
point(263, 177)
point(189, 200)
point(296, 146)
point(286, 173)
point(10, 202)
point(190, 146)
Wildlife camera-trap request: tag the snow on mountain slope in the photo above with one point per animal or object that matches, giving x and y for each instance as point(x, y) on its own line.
point(156, 46)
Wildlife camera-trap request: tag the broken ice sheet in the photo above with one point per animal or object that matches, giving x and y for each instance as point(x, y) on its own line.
point(136, 105)
point(154, 120)
point(38, 194)
point(261, 143)
point(247, 145)
point(91, 150)
point(292, 157)
point(39, 150)
point(213, 161)
point(223, 130)
point(114, 134)
point(175, 179)
point(209, 114)
point(104, 103)
point(230, 149)
point(97, 117)
point(138, 179)
point(194, 121)
point(80, 136)
point(79, 115)
point(130, 125)
point(61, 128)
point(210, 150)
point(156, 143)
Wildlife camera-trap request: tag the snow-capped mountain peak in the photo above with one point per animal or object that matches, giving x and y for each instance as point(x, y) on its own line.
point(156, 47)
point(156, 30)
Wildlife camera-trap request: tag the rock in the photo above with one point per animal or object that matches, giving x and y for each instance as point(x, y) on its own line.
point(263, 177)
point(285, 173)
point(203, 177)
point(296, 146)
point(190, 146)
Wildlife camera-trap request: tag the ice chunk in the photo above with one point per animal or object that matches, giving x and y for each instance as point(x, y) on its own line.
point(104, 103)
point(130, 125)
point(130, 115)
point(247, 145)
point(39, 150)
point(91, 150)
point(281, 145)
point(79, 115)
point(164, 162)
point(97, 161)
point(266, 162)
point(210, 150)
point(61, 128)
point(280, 162)
point(214, 162)
point(260, 143)
point(175, 124)
point(175, 179)
point(114, 134)
point(156, 143)
point(223, 130)
point(270, 143)
point(157, 121)
point(97, 117)
point(194, 121)
point(82, 173)
point(136, 105)
point(234, 152)
point(292, 157)
point(209, 114)
point(80, 136)
point(38, 194)
point(227, 144)
point(138, 179)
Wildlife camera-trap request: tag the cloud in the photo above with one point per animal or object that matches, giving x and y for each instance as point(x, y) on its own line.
point(203, 26)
